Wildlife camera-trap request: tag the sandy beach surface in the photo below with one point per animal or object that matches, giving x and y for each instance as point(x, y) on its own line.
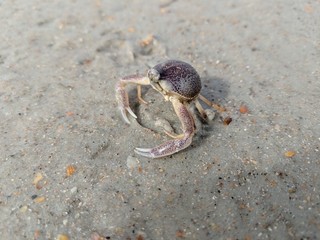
point(68, 167)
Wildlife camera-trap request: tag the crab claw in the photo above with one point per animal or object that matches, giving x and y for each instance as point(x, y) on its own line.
point(123, 102)
point(180, 142)
point(122, 95)
point(165, 149)
point(124, 111)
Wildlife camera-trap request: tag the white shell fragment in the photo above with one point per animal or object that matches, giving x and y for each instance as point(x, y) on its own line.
point(132, 162)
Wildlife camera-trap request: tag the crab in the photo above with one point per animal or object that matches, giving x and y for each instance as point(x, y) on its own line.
point(179, 83)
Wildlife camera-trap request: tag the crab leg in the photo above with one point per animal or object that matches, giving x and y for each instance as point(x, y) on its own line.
point(122, 95)
point(201, 110)
point(211, 104)
point(181, 142)
point(140, 99)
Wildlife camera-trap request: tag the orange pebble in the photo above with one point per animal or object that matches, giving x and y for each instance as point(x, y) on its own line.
point(243, 109)
point(290, 154)
point(70, 170)
point(227, 121)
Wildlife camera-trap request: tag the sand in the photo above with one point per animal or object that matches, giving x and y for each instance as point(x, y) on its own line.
point(68, 167)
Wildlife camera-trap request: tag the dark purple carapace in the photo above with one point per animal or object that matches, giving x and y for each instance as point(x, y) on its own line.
point(180, 77)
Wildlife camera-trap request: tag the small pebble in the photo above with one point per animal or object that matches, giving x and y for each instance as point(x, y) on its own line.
point(243, 109)
point(62, 237)
point(289, 154)
point(39, 199)
point(227, 121)
point(38, 177)
point(132, 162)
point(74, 190)
point(23, 208)
point(70, 170)
point(210, 114)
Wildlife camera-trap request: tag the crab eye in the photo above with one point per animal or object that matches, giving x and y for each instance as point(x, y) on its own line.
point(153, 75)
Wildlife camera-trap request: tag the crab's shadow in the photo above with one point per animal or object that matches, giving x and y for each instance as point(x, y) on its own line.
point(215, 88)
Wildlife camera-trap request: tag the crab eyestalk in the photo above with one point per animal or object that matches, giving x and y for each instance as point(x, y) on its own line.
point(153, 75)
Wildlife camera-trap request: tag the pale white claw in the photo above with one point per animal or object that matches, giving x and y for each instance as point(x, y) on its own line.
point(131, 112)
point(124, 111)
point(124, 115)
point(143, 149)
point(146, 152)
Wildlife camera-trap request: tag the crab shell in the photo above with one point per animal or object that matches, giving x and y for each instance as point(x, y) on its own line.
point(178, 79)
